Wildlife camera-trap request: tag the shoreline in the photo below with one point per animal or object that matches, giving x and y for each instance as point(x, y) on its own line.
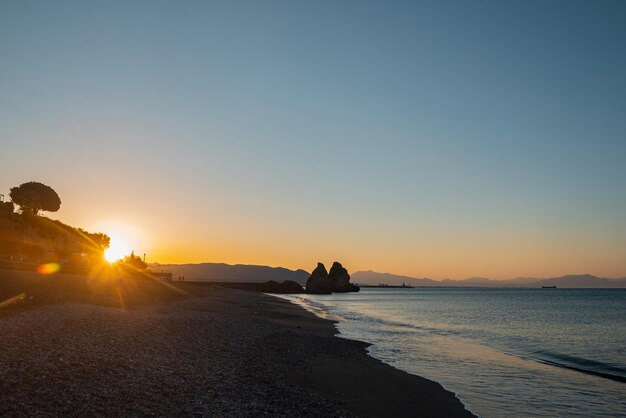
point(385, 376)
point(211, 352)
point(326, 316)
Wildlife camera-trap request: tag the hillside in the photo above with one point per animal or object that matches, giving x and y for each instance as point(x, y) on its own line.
point(37, 239)
point(220, 272)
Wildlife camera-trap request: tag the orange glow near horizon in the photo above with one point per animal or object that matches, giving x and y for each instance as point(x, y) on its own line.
point(422, 248)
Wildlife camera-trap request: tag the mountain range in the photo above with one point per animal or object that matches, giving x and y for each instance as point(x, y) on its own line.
point(570, 281)
point(220, 272)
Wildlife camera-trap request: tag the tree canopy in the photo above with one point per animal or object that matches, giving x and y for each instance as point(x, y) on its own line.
point(33, 197)
point(98, 240)
point(134, 261)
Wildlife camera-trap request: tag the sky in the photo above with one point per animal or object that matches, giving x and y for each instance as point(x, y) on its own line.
point(441, 139)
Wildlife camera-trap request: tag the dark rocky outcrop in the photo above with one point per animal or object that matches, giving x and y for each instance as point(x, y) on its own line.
point(340, 279)
point(318, 282)
point(337, 280)
point(288, 286)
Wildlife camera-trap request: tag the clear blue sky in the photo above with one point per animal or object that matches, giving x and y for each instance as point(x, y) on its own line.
point(442, 139)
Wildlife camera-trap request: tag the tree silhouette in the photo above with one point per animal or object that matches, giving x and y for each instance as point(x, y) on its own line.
point(33, 197)
point(133, 261)
point(98, 240)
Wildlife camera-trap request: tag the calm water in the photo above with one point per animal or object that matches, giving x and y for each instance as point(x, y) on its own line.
point(504, 352)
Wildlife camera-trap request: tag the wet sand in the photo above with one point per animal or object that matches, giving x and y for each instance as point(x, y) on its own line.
point(141, 348)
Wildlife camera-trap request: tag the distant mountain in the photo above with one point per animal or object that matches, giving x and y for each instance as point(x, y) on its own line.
point(580, 281)
point(480, 282)
point(220, 272)
point(373, 278)
point(570, 281)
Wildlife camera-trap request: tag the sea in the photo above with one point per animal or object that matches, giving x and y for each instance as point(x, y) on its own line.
point(503, 352)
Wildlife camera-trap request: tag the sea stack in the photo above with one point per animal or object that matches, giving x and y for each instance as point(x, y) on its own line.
point(322, 282)
point(318, 282)
point(340, 279)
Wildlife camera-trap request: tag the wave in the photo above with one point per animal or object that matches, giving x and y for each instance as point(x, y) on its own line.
point(566, 361)
point(582, 365)
point(316, 308)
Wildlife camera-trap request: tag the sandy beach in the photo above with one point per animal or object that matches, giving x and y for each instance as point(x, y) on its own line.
point(137, 347)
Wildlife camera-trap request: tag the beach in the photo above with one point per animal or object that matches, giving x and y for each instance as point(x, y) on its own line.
point(139, 347)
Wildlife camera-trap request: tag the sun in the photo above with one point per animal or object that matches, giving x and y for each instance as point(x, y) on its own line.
point(117, 250)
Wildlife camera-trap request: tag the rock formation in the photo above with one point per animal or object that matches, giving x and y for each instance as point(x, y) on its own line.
point(338, 280)
point(318, 282)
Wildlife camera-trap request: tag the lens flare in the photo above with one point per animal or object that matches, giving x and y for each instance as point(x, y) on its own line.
point(12, 300)
point(48, 268)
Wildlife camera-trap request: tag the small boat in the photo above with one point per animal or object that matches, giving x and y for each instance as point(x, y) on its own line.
point(548, 287)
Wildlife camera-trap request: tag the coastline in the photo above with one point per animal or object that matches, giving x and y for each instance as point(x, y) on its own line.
point(372, 387)
point(215, 351)
point(324, 315)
